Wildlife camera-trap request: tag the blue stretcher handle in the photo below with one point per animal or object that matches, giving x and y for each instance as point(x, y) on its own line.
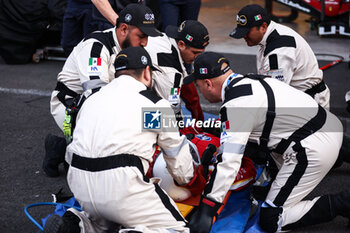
point(42, 204)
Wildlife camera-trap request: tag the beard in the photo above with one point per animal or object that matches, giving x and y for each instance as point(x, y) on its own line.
point(126, 43)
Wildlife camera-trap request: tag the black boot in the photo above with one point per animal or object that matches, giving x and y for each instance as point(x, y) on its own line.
point(319, 213)
point(55, 150)
point(340, 203)
point(345, 149)
point(69, 223)
point(324, 210)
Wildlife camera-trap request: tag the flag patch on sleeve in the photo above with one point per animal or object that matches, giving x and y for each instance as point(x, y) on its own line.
point(95, 66)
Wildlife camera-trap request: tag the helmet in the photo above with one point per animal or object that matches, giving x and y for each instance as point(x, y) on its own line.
point(160, 170)
point(167, 183)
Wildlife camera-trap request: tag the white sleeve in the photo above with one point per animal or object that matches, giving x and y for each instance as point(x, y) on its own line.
point(285, 62)
point(163, 82)
point(93, 67)
point(233, 140)
point(176, 151)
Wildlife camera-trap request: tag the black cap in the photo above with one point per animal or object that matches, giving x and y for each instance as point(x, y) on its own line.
point(248, 17)
point(132, 58)
point(192, 32)
point(139, 16)
point(206, 66)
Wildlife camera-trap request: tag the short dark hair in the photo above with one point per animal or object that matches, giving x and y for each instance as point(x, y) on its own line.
point(136, 73)
point(187, 45)
point(120, 23)
point(267, 22)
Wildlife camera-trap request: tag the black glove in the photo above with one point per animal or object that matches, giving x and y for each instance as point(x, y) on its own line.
point(202, 219)
point(207, 159)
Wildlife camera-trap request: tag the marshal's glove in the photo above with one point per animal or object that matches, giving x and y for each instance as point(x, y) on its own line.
point(207, 159)
point(203, 218)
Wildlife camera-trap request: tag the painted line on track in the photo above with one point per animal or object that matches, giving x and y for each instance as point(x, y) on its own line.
point(25, 91)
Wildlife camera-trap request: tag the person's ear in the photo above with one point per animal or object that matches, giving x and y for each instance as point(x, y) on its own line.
point(147, 73)
point(264, 27)
point(147, 76)
point(124, 29)
point(208, 83)
point(182, 45)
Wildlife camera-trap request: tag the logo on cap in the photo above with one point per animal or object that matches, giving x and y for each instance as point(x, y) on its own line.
point(149, 16)
point(128, 18)
point(121, 55)
point(220, 59)
point(181, 27)
point(203, 71)
point(144, 60)
point(189, 38)
point(241, 20)
point(257, 17)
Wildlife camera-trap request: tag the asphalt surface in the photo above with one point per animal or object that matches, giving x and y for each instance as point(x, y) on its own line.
point(26, 120)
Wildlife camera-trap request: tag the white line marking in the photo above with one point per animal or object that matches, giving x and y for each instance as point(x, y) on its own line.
point(25, 91)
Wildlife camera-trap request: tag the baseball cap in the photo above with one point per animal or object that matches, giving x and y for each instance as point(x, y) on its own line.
point(140, 16)
point(133, 58)
point(248, 17)
point(192, 32)
point(208, 65)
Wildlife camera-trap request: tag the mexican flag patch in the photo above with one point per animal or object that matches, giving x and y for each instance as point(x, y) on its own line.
point(203, 70)
point(94, 61)
point(189, 38)
point(257, 17)
point(225, 126)
point(175, 91)
point(95, 67)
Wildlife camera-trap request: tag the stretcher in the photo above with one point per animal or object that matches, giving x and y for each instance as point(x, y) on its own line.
point(240, 213)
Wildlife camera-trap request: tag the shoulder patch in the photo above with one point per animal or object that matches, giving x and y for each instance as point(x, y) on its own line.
point(96, 50)
point(223, 114)
point(275, 41)
point(273, 62)
point(177, 80)
point(170, 59)
point(151, 95)
point(238, 91)
point(106, 38)
point(94, 69)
